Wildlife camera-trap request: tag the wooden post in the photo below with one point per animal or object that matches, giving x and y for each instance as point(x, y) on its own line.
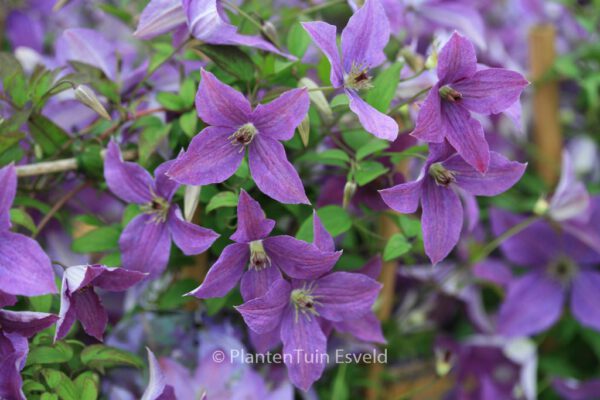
point(547, 135)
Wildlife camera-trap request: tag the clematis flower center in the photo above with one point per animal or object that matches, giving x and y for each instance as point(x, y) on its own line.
point(441, 175)
point(304, 302)
point(243, 136)
point(563, 270)
point(449, 94)
point(259, 259)
point(358, 78)
point(158, 208)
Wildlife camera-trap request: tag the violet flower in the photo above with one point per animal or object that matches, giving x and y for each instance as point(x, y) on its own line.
point(217, 151)
point(299, 309)
point(572, 389)
point(462, 89)
point(78, 300)
point(15, 328)
point(205, 20)
point(158, 387)
point(443, 178)
point(363, 41)
point(265, 257)
point(24, 267)
point(560, 267)
point(146, 241)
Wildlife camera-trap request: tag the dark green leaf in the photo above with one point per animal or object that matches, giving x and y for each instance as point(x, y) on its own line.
point(222, 199)
point(231, 60)
point(49, 136)
point(98, 240)
point(396, 246)
point(101, 357)
point(384, 88)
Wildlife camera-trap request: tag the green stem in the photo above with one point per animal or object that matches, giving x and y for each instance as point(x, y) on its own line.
point(244, 14)
point(494, 244)
point(322, 88)
point(413, 98)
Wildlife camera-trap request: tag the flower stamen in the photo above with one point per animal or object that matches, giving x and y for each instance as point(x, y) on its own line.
point(243, 136)
point(441, 175)
point(259, 259)
point(304, 302)
point(158, 208)
point(358, 78)
point(449, 94)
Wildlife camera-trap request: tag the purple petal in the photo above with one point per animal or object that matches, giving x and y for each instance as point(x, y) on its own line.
point(190, 238)
point(492, 270)
point(535, 246)
point(263, 342)
point(571, 198)
point(8, 183)
point(88, 47)
point(263, 314)
point(404, 197)
point(7, 299)
point(14, 350)
point(252, 222)
point(501, 175)
point(470, 208)
point(145, 245)
point(366, 328)
point(225, 273)
point(157, 388)
point(25, 323)
point(457, 60)
point(429, 120)
point(273, 173)
point(90, 312)
point(24, 267)
point(345, 295)
point(585, 294)
point(303, 347)
point(66, 315)
point(442, 220)
point(279, 118)
point(324, 36)
point(116, 279)
point(299, 259)
point(250, 41)
point(372, 268)
point(256, 283)
point(165, 186)
point(128, 180)
point(219, 104)
point(374, 121)
point(533, 303)
point(210, 158)
point(23, 30)
point(466, 135)
point(160, 16)
point(463, 17)
point(571, 389)
point(321, 238)
point(365, 36)
point(490, 91)
point(204, 20)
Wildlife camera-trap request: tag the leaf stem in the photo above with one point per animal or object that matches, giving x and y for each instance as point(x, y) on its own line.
point(494, 244)
point(319, 7)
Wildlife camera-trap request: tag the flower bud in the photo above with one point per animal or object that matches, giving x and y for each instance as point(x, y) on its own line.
point(317, 98)
point(87, 96)
point(191, 198)
point(304, 130)
point(349, 190)
point(270, 33)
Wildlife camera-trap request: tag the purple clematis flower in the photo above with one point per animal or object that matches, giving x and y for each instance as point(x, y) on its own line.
point(560, 266)
point(460, 90)
point(266, 256)
point(78, 300)
point(217, 151)
point(298, 311)
point(572, 389)
point(146, 241)
point(24, 267)
point(444, 177)
point(158, 387)
point(205, 20)
point(363, 41)
point(15, 328)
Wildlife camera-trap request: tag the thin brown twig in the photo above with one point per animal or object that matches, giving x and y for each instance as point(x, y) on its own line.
point(58, 205)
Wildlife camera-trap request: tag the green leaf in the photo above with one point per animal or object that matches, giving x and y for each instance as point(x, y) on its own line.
point(150, 139)
point(172, 101)
point(188, 122)
point(367, 171)
point(118, 12)
point(101, 357)
point(297, 40)
point(231, 60)
point(41, 303)
point(89, 160)
point(131, 211)
point(102, 239)
point(49, 136)
point(396, 246)
point(57, 353)
point(335, 219)
point(18, 89)
point(9, 139)
point(33, 386)
point(174, 297)
point(341, 100)
point(411, 227)
point(340, 388)
point(20, 217)
point(384, 88)
point(87, 385)
point(187, 91)
point(61, 384)
point(9, 66)
point(371, 147)
point(222, 199)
